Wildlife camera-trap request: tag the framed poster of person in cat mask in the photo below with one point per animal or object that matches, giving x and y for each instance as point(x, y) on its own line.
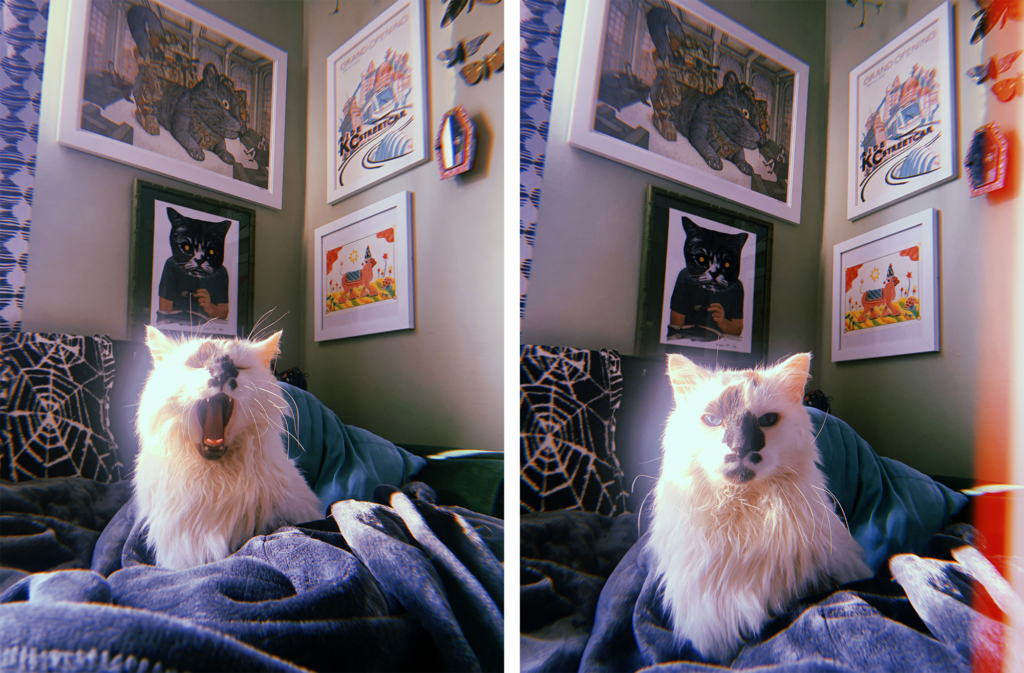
point(191, 264)
point(704, 282)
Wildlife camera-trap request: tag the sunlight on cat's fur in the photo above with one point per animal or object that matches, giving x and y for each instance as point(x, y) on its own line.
point(743, 521)
point(212, 469)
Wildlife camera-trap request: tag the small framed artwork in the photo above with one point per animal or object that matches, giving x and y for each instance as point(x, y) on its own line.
point(364, 271)
point(376, 102)
point(168, 87)
point(902, 117)
point(191, 262)
point(705, 280)
point(677, 89)
point(885, 290)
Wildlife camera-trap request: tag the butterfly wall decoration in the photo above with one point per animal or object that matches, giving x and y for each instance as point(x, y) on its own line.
point(991, 70)
point(461, 51)
point(1006, 89)
point(455, 8)
point(476, 71)
point(991, 12)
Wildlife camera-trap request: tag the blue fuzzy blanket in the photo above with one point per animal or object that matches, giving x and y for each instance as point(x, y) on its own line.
point(396, 584)
point(589, 603)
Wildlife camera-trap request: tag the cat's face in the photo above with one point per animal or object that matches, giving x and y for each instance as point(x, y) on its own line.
point(712, 257)
point(216, 102)
point(734, 428)
point(742, 117)
point(197, 245)
point(210, 391)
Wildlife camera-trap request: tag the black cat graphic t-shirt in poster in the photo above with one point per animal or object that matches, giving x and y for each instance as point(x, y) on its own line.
point(179, 287)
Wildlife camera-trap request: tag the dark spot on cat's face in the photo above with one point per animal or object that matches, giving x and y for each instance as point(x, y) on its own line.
point(712, 257)
point(197, 245)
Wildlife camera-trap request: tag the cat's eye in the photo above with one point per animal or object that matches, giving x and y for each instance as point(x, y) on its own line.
point(768, 420)
point(186, 247)
point(701, 259)
point(711, 420)
point(226, 105)
point(727, 265)
point(746, 115)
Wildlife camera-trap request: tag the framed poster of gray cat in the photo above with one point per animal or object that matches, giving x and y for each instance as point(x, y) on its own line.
point(677, 89)
point(705, 280)
point(171, 88)
point(190, 268)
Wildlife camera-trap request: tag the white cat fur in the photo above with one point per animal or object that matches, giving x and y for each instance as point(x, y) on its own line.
point(731, 555)
point(201, 510)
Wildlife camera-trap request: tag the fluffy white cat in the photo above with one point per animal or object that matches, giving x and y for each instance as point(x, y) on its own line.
point(212, 469)
point(743, 522)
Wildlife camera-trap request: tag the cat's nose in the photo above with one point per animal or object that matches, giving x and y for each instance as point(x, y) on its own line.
point(744, 436)
point(223, 371)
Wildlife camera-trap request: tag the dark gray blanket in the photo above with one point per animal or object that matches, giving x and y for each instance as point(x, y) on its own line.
point(588, 603)
point(398, 584)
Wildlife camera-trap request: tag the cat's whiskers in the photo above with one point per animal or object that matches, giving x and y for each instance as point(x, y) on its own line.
point(789, 473)
point(836, 501)
point(253, 329)
point(258, 336)
point(280, 392)
point(283, 429)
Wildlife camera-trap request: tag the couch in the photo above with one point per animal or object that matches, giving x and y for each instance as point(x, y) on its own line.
point(404, 573)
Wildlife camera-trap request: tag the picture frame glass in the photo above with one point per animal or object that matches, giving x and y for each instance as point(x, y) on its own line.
point(191, 264)
point(677, 89)
point(885, 291)
point(685, 282)
point(376, 102)
point(168, 87)
point(363, 270)
point(903, 122)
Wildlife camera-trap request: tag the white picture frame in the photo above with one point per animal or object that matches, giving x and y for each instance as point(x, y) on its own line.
point(903, 122)
point(865, 299)
point(609, 119)
point(357, 267)
point(377, 135)
point(114, 127)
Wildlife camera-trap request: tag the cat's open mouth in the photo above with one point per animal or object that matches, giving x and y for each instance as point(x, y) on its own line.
point(213, 414)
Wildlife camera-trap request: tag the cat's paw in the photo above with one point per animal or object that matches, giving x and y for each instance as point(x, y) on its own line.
point(197, 153)
point(745, 168)
point(226, 157)
point(714, 161)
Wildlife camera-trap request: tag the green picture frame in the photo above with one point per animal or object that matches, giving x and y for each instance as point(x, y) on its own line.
point(661, 257)
point(149, 252)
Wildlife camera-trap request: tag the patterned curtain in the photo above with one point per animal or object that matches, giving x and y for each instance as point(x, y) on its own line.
point(22, 43)
point(541, 28)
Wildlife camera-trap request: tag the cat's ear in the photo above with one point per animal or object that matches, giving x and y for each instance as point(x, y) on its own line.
point(740, 239)
point(684, 374)
point(691, 228)
point(177, 219)
point(731, 82)
point(268, 349)
point(792, 374)
point(159, 345)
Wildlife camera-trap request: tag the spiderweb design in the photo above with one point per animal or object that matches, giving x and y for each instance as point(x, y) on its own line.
point(567, 403)
point(55, 407)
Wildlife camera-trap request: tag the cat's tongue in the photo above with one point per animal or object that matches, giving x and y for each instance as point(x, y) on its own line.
point(214, 413)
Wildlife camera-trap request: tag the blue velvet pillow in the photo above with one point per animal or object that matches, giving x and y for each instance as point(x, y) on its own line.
point(339, 461)
point(891, 508)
